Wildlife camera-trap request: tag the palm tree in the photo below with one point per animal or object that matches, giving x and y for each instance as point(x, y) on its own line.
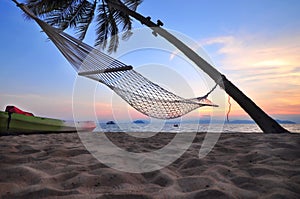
point(113, 14)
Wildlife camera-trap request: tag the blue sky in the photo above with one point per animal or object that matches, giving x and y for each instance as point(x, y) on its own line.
point(255, 43)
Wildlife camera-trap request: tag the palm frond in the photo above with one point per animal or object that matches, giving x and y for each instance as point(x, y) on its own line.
point(132, 4)
point(73, 15)
point(107, 28)
point(102, 27)
point(65, 14)
point(86, 20)
point(43, 8)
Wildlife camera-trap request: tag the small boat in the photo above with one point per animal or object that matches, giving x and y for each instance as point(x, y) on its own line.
point(16, 121)
point(176, 125)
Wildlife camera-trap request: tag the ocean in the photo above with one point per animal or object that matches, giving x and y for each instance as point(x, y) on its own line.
point(187, 127)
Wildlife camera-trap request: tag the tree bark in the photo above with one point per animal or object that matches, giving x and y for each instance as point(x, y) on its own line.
point(264, 121)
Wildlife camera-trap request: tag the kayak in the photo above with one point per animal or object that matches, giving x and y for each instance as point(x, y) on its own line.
point(14, 123)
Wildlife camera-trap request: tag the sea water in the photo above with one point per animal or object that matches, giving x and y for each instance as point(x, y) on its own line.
point(188, 127)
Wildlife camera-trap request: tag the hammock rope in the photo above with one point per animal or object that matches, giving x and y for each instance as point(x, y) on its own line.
point(142, 94)
point(229, 109)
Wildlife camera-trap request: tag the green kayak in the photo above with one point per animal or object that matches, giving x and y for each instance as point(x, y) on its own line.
point(14, 123)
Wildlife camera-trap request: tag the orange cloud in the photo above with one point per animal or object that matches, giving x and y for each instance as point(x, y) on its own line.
point(267, 69)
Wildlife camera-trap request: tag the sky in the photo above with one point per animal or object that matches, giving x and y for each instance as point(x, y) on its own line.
point(255, 43)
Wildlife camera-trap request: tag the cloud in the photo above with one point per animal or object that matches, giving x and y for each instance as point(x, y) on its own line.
point(257, 50)
point(266, 68)
point(218, 40)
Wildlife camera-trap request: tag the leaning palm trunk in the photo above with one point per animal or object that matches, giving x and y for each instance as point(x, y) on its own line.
point(264, 121)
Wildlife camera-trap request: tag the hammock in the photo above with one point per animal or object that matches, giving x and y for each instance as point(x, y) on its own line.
point(142, 94)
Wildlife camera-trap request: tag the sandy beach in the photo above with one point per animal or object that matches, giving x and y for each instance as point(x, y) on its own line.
point(239, 166)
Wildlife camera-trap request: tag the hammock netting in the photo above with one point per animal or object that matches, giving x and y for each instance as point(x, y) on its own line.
point(142, 94)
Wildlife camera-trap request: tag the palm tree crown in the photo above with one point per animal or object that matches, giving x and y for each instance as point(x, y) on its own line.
point(79, 14)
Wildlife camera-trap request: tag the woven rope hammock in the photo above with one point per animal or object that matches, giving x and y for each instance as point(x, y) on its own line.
point(142, 94)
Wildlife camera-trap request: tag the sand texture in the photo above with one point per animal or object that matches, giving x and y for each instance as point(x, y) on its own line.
point(239, 166)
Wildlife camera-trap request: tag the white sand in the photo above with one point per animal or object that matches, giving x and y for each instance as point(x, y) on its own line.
point(240, 166)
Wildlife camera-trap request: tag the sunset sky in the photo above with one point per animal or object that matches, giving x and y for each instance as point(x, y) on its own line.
point(255, 43)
